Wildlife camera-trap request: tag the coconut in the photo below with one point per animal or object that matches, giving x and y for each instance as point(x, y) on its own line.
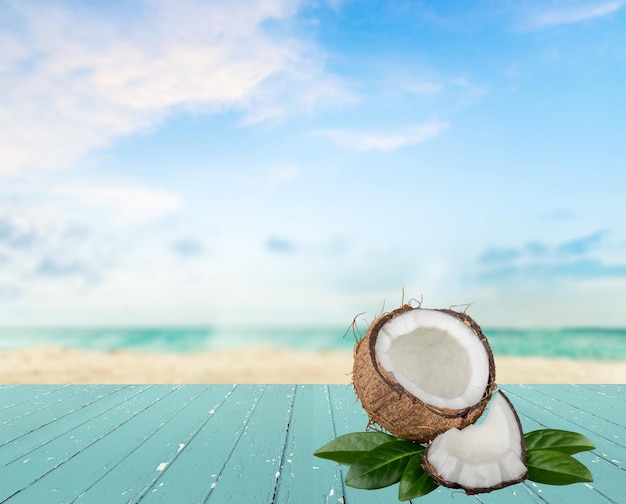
point(481, 457)
point(419, 372)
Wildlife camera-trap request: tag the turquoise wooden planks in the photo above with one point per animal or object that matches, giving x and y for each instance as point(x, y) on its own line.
point(15, 394)
point(351, 418)
point(197, 472)
point(303, 477)
point(48, 470)
point(21, 439)
point(49, 413)
point(543, 408)
point(611, 391)
point(136, 472)
point(588, 400)
point(254, 465)
point(238, 455)
point(223, 443)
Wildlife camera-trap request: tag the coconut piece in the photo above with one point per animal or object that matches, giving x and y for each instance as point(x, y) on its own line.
point(419, 372)
point(481, 457)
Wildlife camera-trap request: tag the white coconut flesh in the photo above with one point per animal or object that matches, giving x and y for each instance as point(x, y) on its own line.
point(435, 357)
point(481, 456)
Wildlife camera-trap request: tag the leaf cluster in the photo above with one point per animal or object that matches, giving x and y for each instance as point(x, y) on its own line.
point(549, 457)
point(378, 460)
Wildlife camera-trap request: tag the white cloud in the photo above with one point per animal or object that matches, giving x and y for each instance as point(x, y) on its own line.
point(378, 141)
point(573, 14)
point(65, 247)
point(77, 79)
point(128, 204)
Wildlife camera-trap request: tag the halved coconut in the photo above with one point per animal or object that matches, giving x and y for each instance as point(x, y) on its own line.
point(481, 457)
point(419, 372)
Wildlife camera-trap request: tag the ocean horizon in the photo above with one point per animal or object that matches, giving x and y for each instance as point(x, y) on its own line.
point(575, 343)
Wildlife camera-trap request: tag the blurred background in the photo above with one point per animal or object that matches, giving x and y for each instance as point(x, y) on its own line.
point(203, 175)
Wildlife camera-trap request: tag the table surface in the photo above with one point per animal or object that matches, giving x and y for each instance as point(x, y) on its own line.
point(253, 443)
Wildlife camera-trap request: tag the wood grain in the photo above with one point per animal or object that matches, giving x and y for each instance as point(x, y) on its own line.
point(252, 443)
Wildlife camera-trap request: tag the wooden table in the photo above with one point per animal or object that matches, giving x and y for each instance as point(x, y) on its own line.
point(252, 443)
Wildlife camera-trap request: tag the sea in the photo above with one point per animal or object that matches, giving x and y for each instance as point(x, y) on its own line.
point(576, 343)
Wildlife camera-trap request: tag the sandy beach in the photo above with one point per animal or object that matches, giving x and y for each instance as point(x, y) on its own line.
point(49, 364)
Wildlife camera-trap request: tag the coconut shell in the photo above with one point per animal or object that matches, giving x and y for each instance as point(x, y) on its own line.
point(473, 491)
point(392, 407)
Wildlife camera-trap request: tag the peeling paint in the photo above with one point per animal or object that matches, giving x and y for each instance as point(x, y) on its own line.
point(283, 461)
point(330, 494)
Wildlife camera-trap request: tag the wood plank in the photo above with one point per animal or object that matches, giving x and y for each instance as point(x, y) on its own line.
point(133, 474)
point(16, 394)
point(303, 478)
point(590, 399)
point(47, 471)
point(541, 407)
point(254, 465)
point(48, 397)
point(349, 416)
point(55, 411)
point(352, 418)
point(614, 391)
point(195, 472)
point(222, 443)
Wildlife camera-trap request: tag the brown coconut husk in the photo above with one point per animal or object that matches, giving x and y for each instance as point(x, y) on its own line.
point(473, 491)
point(389, 405)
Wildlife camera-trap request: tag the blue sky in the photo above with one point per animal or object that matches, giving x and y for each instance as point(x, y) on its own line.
point(297, 162)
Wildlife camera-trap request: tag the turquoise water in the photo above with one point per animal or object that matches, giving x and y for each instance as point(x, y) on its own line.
point(580, 343)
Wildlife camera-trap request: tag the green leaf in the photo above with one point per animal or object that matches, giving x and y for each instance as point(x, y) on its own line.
point(382, 466)
point(415, 482)
point(557, 440)
point(347, 449)
point(555, 468)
